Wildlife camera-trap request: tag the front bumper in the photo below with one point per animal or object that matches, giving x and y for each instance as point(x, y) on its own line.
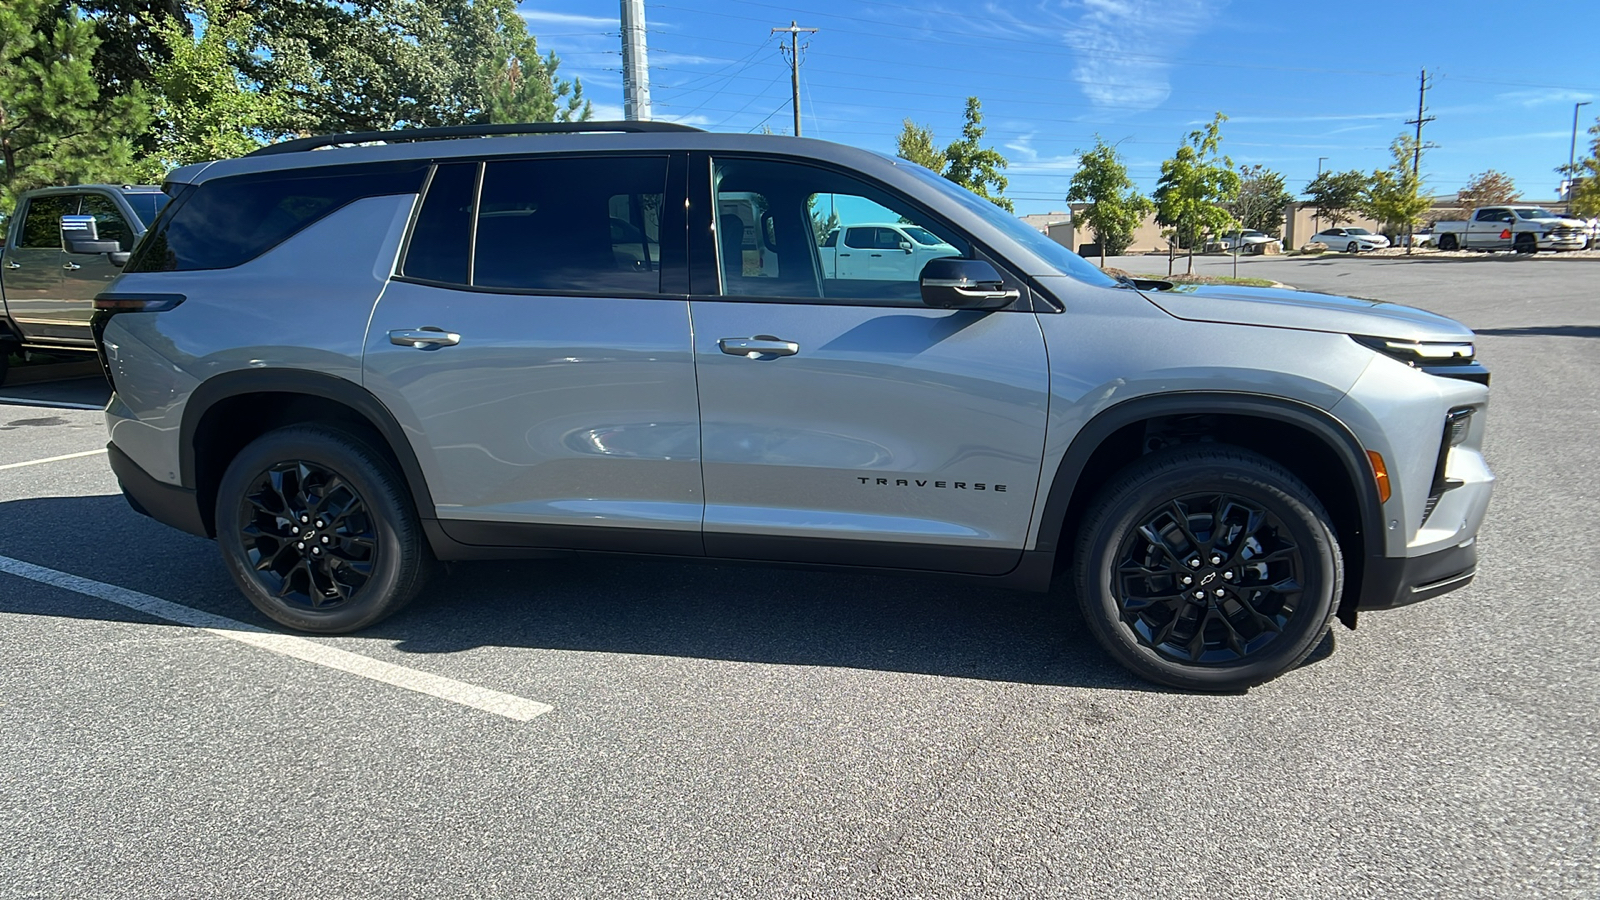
point(1388, 583)
point(168, 504)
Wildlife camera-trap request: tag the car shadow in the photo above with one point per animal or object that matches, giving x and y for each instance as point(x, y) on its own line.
point(630, 605)
point(78, 392)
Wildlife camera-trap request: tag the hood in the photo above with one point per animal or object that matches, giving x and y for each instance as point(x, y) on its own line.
point(1305, 311)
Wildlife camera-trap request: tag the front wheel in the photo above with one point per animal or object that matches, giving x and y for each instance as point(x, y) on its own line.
point(1207, 568)
point(318, 530)
point(1526, 244)
point(1352, 247)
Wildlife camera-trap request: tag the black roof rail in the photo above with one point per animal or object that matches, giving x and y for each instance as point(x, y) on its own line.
point(462, 131)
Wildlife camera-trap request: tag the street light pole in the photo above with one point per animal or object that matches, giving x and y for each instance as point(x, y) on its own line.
point(1316, 217)
point(1572, 154)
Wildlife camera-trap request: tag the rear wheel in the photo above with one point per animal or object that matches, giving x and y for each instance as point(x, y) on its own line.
point(1447, 242)
point(318, 531)
point(1207, 568)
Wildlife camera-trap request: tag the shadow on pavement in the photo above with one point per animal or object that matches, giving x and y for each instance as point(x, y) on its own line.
point(602, 604)
point(77, 392)
point(1577, 331)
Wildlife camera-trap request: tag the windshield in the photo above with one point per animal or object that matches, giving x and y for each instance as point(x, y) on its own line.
point(923, 236)
point(1356, 231)
point(1060, 258)
point(1536, 213)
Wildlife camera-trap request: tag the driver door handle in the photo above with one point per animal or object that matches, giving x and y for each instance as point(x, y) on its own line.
point(758, 346)
point(425, 338)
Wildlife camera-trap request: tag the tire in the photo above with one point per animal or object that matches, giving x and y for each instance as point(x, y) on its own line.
point(5, 362)
point(1447, 242)
point(361, 564)
point(1525, 243)
point(1266, 604)
point(1352, 247)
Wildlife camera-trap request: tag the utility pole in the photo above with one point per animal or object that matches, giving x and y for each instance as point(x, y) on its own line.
point(1419, 121)
point(1572, 155)
point(1416, 151)
point(1316, 217)
point(794, 60)
point(635, 64)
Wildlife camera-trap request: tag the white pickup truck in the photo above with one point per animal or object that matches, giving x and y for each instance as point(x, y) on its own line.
point(1525, 229)
point(880, 251)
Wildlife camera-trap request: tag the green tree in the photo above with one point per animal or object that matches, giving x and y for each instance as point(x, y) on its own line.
point(365, 65)
point(205, 107)
point(1262, 200)
point(1115, 207)
point(916, 145)
point(1585, 192)
point(1338, 195)
point(974, 166)
point(1195, 185)
point(131, 45)
point(54, 126)
point(1394, 195)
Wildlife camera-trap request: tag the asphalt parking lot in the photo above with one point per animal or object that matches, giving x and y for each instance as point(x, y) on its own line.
point(602, 728)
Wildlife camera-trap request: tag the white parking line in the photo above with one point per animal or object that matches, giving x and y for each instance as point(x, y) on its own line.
point(52, 404)
point(508, 705)
point(47, 459)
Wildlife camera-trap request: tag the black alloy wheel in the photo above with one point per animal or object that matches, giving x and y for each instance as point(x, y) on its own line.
point(1447, 242)
point(307, 534)
point(318, 530)
point(1207, 567)
point(1208, 578)
point(1526, 243)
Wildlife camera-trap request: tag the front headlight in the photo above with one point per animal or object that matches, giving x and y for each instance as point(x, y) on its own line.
point(1448, 359)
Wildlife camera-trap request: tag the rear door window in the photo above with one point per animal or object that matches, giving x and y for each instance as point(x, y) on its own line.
point(571, 226)
point(109, 222)
point(441, 243)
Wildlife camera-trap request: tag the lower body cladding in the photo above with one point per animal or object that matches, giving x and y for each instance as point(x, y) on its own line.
point(1386, 582)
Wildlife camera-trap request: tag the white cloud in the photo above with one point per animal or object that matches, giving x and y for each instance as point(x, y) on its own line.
point(1121, 47)
point(1025, 160)
point(1545, 97)
point(545, 16)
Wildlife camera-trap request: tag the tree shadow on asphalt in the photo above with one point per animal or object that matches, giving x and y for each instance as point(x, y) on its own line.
point(629, 605)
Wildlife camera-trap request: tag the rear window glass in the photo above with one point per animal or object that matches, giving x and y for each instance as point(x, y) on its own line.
point(441, 242)
point(570, 225)
point(230, 221)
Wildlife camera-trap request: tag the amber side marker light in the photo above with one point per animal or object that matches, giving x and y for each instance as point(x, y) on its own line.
point(1380, 474)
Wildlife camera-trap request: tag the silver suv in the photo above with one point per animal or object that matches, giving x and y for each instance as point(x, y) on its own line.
point(348, 357)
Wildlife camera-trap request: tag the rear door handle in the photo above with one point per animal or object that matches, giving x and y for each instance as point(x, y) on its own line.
point(13, 264)
point(71, 266)
point(424, 338)
point(758, 346)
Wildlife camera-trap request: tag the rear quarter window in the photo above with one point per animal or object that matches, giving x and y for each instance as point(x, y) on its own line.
point(230, 221)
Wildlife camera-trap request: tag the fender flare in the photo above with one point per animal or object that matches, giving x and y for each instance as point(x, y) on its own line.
point(1107, 422)
point(313, 384)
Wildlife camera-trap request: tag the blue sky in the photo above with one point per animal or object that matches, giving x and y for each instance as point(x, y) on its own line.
point(1298, 81)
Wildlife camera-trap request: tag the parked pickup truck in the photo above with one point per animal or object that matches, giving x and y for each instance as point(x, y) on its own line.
point(1525, 229)
point(888, 251)
point(63, 246)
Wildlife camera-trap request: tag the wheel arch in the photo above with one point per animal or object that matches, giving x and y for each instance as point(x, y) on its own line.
point(1303, 438)
point(228, 411)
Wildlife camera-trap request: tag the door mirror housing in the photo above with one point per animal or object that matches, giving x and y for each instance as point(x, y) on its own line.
point(952, 283)
point(906, 246)
point(80, 234)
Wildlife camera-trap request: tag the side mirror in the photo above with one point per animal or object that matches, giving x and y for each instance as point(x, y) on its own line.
point(952, 283)
point(119, 258)
point(906, 246)
point(80, 234)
